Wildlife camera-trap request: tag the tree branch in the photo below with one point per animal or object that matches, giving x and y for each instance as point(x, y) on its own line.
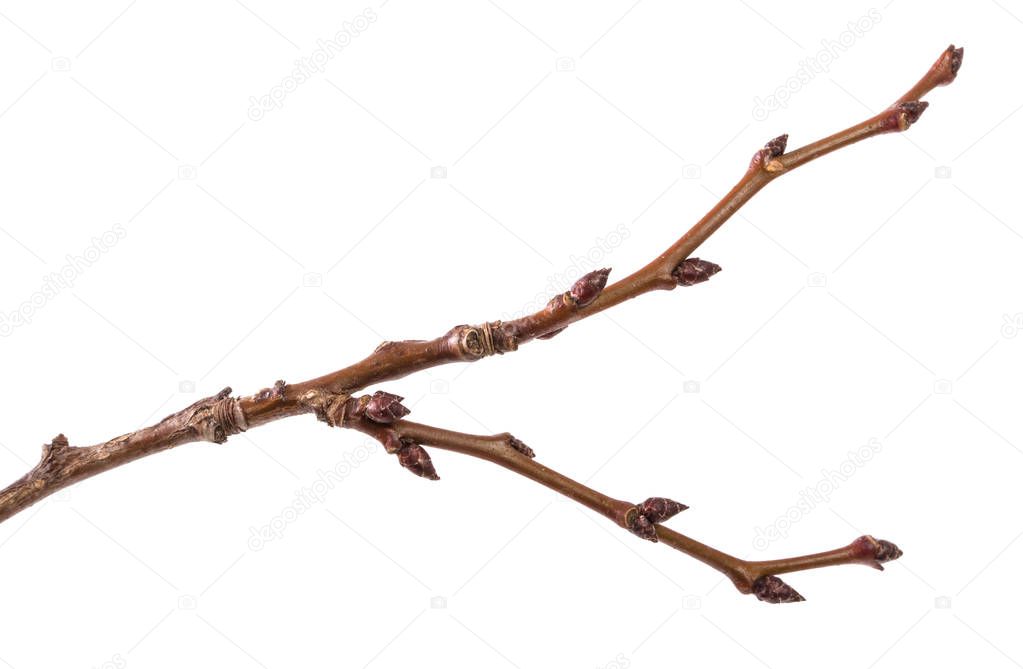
point(405, 439)
point(381, 415)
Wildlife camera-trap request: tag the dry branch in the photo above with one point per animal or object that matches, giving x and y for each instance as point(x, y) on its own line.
point(381, 415)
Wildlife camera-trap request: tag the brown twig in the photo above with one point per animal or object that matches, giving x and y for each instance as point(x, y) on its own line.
point(381, 415)
point(643, 519)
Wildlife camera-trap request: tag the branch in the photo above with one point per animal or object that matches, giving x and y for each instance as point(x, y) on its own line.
point(381, 416)
point(216, 418)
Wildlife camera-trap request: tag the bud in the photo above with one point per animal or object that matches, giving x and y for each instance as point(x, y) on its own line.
point(903, 115)
point(873, 552)
point(521, 447)
point(771, 150)
point(776, 146)
point(955, 57)
point(912, 111)
point(414, 458)
point(588, 287)
point(385, 407)
point(886, 550)
point(641, 526)
point(773, 590)
point(660, 509)
point(693, 270)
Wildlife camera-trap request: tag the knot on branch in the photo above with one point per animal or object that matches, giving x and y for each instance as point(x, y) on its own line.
point(773, 590)
point(481, 341)
point(216, 418)
point(642, 519)
point(331, 408)
point(692, 271)
point(275, 393)
point(765, 157)
point(55, 448)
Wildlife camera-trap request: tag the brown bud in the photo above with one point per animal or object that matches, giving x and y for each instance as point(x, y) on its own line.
point(588, 287)
point(519, 446)
point(414, 458)
point(385, 407)
point(773, 590)
point(660, 509)
point(643, 528)
point(551, 334)
point(887, 551)
point(873, 552)
point(912, 111)
point(693, 270)
point(771, 150)
point(902, 115)
point(776, 146)
point(954, 58)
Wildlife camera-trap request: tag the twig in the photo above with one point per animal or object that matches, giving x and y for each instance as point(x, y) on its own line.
point(381, 415)
point(644, 519)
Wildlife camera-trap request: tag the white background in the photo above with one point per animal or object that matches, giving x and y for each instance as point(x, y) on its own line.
point(868, 300)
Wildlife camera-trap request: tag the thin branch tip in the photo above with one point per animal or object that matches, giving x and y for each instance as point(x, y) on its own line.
point(955, 57)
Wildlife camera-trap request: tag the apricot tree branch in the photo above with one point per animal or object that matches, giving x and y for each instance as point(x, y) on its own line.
point(406, 439)
point(330, 397)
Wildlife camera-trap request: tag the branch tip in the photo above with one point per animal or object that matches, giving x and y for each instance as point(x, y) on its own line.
point(692, 271)
point(955, 58)
point(773, 590)
point(874, 552)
